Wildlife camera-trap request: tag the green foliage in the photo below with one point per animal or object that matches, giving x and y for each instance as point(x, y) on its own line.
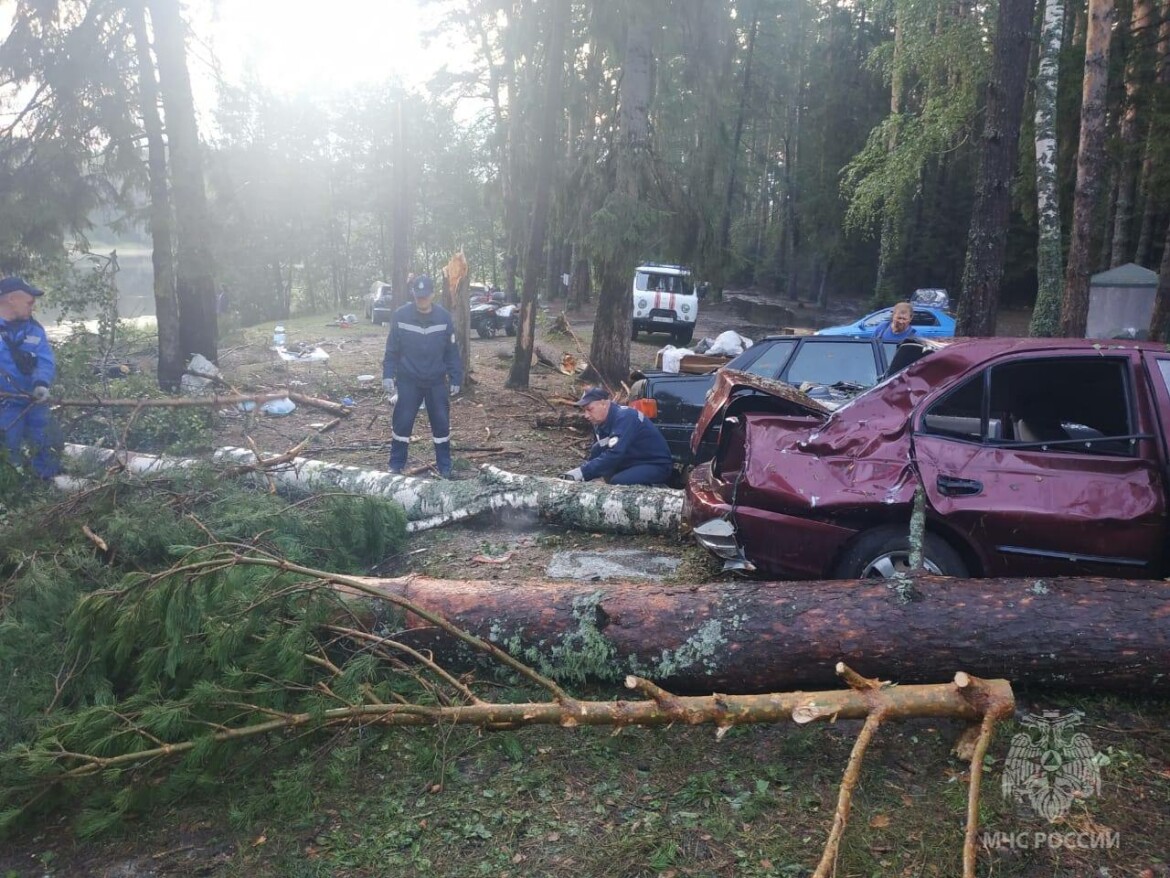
point(99, 656)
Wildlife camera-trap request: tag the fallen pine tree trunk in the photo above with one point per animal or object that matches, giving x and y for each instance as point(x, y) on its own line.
point(744, 637)
point(589, 506)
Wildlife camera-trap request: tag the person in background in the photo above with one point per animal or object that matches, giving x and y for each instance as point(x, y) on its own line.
point(422, 365)
point(27, 370)
point(628, 449)
point(898, 327)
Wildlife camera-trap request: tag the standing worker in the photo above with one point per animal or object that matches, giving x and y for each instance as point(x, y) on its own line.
point(898, 327)
point(629, 449)
point(27, 369)
point(421, 358)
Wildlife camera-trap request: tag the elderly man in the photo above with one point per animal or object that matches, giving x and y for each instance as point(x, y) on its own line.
point(27, 369)
point(898, 327)
point(628, 449)
point(421, 359)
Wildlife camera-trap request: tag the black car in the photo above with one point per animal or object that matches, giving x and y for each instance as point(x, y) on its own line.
point(832, 370)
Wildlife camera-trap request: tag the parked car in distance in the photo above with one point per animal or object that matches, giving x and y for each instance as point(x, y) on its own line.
point(928, 322)
point(1036, 457)
point(832, 369)
point(665, 300)
point(379, 303)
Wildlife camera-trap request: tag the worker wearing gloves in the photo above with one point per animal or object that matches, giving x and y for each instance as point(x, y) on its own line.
point(27, 369)
point(422, 366)
point(628, 449)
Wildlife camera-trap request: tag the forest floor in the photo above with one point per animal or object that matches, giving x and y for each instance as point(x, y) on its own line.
point(555, 802)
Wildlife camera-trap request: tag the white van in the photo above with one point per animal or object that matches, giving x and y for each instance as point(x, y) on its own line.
point(665, 301)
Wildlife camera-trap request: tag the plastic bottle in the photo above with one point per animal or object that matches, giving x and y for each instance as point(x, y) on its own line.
point(278, 336)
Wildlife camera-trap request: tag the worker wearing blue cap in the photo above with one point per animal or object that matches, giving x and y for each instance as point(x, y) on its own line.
point(27, 369)
point(629, 449)
point(422, 365)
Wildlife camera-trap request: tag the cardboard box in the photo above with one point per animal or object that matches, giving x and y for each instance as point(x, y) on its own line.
point(695, 364)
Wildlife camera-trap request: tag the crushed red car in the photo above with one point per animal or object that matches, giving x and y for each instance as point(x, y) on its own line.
point(1036, 457)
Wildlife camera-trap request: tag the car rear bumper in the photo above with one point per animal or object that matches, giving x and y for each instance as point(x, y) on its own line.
point(748, 538)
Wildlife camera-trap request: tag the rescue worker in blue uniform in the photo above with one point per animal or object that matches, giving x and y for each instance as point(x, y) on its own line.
point(27, 369)
point(422, 365)
point(628, 449)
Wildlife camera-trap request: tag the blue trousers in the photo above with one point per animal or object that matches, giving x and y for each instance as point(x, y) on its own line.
point(22, 423)
point(642, 474)
point(438, 401)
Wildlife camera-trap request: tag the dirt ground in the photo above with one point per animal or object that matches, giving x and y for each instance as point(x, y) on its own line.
point(535, 431)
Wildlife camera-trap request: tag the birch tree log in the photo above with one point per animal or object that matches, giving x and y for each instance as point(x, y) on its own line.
point(743, 637)
point(429, 503)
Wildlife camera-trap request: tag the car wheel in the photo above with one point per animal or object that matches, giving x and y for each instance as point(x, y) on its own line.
point(884, 552)
point(684, 337)
point(634, 333)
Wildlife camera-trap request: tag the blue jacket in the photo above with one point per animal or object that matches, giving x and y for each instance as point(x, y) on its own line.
point(421, 347)
point(26, 357)
point(627, 437)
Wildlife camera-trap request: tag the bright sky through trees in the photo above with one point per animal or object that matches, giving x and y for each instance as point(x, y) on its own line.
point(319, 47)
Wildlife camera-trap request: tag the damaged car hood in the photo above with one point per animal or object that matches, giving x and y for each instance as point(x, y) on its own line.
point(728, 381)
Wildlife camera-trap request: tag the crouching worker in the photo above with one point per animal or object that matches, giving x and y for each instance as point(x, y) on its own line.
point(27, 368)
point(422, 365)
point(629, 449)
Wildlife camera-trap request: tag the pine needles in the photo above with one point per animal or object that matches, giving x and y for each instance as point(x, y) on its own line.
point(153, 635)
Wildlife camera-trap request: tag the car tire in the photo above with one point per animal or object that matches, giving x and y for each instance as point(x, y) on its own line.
point(684, 337)
point(634, 333)
point(884, 552)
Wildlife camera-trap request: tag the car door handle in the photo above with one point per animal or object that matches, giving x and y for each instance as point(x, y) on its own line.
point(949, 486)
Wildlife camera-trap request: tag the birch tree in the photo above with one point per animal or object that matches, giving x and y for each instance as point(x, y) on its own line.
point(1050, 243)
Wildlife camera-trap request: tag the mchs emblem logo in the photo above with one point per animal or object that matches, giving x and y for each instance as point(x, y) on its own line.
point(1051, 765)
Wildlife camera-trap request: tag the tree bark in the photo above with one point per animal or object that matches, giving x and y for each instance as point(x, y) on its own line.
point(1121, 251)
point(171, 361)
point(457, 301)
point(400, 212)
point(1050, 245)
point(590, 506)
point(742, 637)
point(987, 236)
point(549, 113)
point(194, 276)
point(1074, 312)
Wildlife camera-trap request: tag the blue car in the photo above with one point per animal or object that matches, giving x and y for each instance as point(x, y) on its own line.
point(928, 322)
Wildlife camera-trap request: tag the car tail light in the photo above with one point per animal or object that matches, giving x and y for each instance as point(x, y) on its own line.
point(647, 406)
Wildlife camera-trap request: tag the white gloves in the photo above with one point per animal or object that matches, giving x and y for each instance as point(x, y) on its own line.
point(574, 475)
point(388, 386)
point(454, 389)
point(40, 393)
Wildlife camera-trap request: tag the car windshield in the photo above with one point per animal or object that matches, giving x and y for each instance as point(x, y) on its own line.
point(877, 317)
point(653, 282)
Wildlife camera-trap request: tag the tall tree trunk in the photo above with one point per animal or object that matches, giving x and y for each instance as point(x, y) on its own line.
point(1074, 312)
point(1160, 319)
point(892, 241)
point(194, 277)
point(554, 63)
point(987, 237)
point(171, 361)
point(1127, 171)
point(1143, 254)
point(745, 91)
point(609, 352)
point(400, 255)
point(1050, 247)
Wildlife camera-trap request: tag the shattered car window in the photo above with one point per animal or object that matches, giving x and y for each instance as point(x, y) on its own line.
point(769, 364)
point(1060, 405)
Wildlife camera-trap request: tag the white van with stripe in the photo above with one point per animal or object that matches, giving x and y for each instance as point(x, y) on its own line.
point(665, 301)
